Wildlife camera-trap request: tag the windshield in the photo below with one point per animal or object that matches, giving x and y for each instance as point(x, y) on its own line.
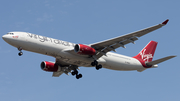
point(10, 33)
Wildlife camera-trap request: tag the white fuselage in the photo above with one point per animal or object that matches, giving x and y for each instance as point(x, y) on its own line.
point(62, 50)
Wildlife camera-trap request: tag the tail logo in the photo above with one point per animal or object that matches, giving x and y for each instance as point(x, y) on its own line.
point(145, 56)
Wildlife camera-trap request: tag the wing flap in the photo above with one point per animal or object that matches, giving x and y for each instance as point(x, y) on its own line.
point(119, 44)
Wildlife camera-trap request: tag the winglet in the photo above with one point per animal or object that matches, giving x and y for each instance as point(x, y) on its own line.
point(165, 22)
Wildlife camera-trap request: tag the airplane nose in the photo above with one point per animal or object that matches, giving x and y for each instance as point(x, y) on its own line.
point(4, 37)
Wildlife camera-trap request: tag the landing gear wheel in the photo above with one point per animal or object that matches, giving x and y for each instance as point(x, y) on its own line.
point(75, 72)
point(98, 67)
point(78, 76)
point(20, 53)
point(94, 63)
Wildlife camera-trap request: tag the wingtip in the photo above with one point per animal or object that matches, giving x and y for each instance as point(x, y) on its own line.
point(165, 22)
point(174, 55)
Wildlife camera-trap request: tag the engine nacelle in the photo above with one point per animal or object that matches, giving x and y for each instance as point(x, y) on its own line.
point(49, 66)
point(84, 49)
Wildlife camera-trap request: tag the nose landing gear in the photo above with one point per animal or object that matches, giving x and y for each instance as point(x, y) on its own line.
point(20, 53)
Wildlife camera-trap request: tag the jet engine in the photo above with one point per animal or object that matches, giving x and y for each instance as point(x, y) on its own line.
point(84, 49)
point(49, 66)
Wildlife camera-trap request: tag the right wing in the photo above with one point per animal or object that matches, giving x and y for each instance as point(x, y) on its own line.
point(108, 45)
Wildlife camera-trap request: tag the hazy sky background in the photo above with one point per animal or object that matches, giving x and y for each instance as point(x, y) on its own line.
point(85, 22)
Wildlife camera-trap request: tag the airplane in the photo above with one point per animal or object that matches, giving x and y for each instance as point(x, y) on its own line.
point(70, 56)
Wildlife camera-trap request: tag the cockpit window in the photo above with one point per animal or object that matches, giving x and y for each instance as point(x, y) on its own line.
point(10, 33)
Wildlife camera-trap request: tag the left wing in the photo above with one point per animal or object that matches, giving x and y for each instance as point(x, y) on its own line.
point(110, 45)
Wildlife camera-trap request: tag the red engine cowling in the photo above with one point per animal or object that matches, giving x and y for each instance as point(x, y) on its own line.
point(84, 50)
point(49, 66)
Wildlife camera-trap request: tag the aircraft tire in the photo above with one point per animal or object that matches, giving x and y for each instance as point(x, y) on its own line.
point(20, 53)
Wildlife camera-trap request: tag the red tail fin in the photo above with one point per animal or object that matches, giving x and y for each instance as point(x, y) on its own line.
point(147, 52)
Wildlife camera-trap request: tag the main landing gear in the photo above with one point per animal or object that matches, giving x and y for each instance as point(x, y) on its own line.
point(75, 72)
point(95, 63)
point(20, 53)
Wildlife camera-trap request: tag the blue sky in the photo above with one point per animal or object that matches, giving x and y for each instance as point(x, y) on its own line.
point(85, 22)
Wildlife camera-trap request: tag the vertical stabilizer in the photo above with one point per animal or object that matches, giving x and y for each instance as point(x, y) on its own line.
point(147, 53)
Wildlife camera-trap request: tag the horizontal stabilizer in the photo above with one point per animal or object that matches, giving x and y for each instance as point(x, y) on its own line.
point(159, 60)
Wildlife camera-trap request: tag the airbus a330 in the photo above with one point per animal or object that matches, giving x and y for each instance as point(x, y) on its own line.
point(69, 56)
